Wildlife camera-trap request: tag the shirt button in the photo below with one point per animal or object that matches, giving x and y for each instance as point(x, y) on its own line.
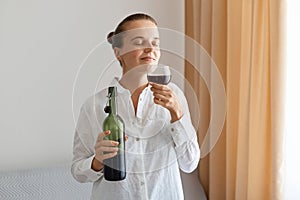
point(132, 123)
point(137, 139)
point(172, 129)
point(142, 183)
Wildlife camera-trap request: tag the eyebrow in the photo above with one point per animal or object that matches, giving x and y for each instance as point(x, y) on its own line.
point(140, 37)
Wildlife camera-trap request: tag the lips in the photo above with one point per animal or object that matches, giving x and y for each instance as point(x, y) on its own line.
point(148, 58)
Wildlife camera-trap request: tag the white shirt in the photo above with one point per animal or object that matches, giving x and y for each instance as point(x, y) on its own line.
point(155, 150)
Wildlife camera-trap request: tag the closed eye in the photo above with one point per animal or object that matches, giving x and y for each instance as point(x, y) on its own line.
point(155, 43)
point(138, 42)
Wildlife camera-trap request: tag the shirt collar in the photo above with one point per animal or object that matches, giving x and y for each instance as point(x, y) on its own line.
point(121, 89)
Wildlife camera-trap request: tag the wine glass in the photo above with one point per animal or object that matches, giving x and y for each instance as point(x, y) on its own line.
point(159, 74)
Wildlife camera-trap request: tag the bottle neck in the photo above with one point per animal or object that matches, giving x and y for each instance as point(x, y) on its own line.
point(113, 105)
point(112, 100)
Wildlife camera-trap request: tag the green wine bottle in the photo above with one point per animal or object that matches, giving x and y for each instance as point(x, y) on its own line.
point(114, 168)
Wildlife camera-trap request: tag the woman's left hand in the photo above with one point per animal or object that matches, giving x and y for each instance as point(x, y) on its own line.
point(164, 96)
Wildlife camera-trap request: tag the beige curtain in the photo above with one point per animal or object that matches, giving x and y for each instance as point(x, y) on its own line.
point(245, 39)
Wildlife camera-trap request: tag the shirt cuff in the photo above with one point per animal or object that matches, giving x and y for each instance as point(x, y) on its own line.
point(87, 169)
point(179, 133)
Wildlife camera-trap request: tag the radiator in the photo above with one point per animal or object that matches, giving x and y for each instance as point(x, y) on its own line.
point(55, 183)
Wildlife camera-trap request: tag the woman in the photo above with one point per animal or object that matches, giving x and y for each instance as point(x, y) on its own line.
point(160, 137)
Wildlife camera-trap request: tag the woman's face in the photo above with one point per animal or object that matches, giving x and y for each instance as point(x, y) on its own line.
point(140, 45)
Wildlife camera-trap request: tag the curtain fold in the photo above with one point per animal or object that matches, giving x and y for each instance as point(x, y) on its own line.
point(245, 39)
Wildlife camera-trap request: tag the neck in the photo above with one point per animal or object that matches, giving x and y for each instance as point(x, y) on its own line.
point(134, 81)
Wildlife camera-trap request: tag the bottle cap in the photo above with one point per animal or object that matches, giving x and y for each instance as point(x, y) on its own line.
point(112, 91)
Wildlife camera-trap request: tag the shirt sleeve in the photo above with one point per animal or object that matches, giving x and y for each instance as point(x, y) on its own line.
point(185, 139)
point(83, 152)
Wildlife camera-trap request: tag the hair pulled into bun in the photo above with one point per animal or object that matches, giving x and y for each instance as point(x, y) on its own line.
point(110, 37)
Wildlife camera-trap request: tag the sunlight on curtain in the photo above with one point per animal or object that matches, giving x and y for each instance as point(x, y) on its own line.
point(245, 38)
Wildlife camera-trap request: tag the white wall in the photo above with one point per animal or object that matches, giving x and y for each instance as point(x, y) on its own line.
point(42, 44)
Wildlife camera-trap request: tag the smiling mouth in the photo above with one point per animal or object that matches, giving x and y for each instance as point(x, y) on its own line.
point(148, 59)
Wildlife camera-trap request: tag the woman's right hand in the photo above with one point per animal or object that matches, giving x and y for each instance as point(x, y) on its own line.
point(110, 148)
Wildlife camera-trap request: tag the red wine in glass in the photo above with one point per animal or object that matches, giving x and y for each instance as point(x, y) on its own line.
point(161, 74)
point(160, 79)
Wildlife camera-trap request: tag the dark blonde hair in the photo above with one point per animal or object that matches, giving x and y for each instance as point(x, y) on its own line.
point(115, 37)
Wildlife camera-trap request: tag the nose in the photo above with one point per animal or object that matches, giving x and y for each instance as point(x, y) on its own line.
point(148, 48)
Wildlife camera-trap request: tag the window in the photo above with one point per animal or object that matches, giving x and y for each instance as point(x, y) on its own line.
point(293, 101)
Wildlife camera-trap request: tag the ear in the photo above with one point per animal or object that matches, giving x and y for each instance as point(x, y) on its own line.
point(117, 52)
